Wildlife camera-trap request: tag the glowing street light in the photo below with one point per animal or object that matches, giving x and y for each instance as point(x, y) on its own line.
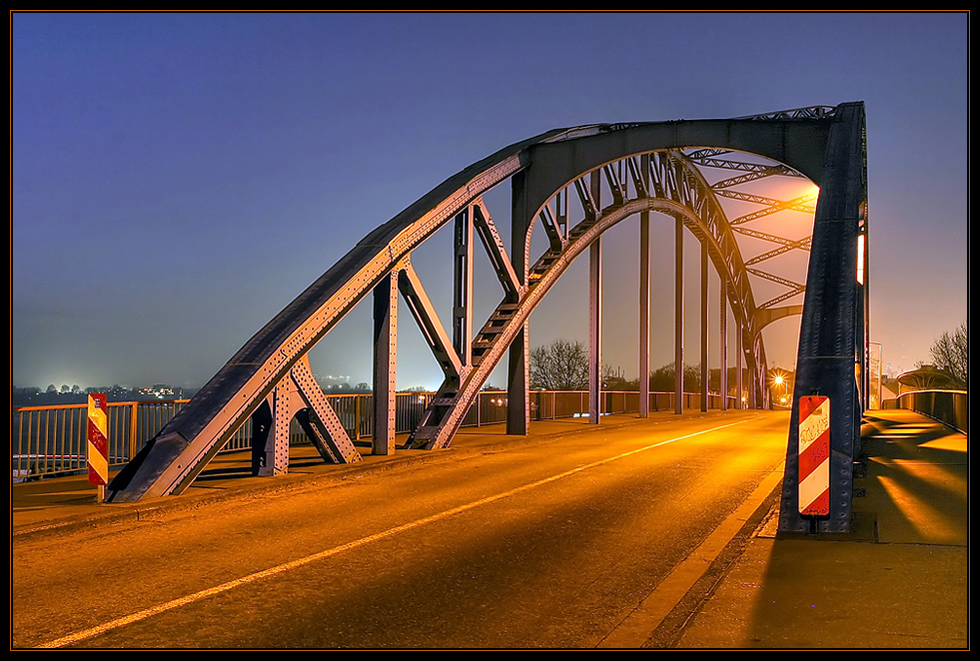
point(780, 382)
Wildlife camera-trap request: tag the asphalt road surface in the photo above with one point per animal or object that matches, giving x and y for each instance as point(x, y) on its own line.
point(561, 543)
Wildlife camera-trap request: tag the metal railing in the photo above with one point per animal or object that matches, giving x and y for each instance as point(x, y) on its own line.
point(48, 441)
point(51, 440)
point(951, 407)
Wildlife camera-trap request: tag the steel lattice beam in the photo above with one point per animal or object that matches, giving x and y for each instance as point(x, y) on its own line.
point(643, 168)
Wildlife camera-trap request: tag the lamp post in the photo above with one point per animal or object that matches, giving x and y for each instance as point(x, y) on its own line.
point(780, 382)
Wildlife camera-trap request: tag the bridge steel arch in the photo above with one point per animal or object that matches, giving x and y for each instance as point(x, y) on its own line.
point(642, 168)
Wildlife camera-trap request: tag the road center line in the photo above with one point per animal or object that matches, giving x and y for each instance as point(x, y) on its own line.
point(391, 532)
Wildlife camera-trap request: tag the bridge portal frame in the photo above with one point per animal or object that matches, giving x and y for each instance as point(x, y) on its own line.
point(823, 144)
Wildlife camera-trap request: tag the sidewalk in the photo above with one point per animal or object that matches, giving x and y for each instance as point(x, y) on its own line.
point(898, 580)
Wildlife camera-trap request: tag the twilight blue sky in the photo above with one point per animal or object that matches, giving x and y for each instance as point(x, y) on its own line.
point(177, 179)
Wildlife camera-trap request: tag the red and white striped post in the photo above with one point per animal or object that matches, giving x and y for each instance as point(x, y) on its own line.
point(814, 456)
point(98, 442)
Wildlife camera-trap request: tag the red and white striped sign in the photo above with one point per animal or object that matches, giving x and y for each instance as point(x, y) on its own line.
point(814, 452)
point(98, 440)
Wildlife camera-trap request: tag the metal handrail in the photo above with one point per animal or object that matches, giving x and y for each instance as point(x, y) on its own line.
point(48, 441)
point(950, 407)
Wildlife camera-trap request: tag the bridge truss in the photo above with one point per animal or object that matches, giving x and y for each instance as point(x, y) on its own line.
point(573, 185)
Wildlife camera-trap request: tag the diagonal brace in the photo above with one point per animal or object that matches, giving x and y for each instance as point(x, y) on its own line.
point(427, 319)
point(329, 435)
point(496, 251)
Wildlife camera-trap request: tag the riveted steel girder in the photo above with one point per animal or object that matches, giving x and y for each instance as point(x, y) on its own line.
point(169, 463)
point(644, 170)
point(832, 353)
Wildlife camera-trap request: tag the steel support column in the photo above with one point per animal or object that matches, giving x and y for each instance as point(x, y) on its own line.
point(518, 404)
point(863, 323)
point(261, 436)
point(595, 331)
point(385, 350)
point(723, 340)
point(463, 287)
point(739, 358)
point(282, 403)
point(298, 397)
point(832, 351)
point(644, 314)
point(518, 411)
point(678, 316)
point(595, 309)
point(705, 372)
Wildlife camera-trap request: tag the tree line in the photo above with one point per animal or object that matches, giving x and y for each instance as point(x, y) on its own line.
point(564, 365)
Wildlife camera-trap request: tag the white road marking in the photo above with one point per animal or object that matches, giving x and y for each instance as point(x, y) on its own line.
point(640, 624)
point(391, 532)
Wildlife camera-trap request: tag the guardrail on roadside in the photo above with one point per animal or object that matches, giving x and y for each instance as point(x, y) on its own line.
point(48, 441)
point(951, 407)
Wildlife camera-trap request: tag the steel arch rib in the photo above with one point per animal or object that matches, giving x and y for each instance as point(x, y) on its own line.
point(170, 462)
point(177, 454)
point(685, 195)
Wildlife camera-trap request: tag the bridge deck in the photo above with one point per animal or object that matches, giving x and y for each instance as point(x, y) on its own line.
point(899, 579)
point(907, 453)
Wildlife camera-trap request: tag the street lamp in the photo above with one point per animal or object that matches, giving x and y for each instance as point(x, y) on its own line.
point(780, 382)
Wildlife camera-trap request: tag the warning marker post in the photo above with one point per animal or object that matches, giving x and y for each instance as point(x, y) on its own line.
point(98, 443)
point(814, 457)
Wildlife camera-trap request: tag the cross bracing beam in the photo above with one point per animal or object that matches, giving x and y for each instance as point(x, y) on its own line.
point(786, 245)
point(644, 169)
point(775, 206)
point(793, 287)
point(756, 175)
point(771, 206)
point(766, 316)
point(810, 112)
point(766, 169)
point(802, 203)
point(701, 156)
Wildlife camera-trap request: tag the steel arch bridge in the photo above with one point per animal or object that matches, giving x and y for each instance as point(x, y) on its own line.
point(573, 184)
